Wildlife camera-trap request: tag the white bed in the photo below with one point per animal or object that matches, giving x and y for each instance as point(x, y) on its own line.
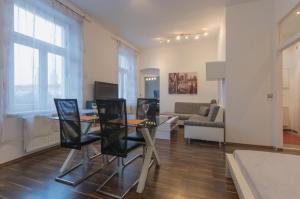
point(264, 175)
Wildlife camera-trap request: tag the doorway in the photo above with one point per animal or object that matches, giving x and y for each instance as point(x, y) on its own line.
point(150, 83)
point(287, 82)
point(152, 87)
point(291, 96)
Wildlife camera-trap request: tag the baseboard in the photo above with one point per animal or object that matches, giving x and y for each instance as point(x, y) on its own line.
point(28, 156)
point(248, 145)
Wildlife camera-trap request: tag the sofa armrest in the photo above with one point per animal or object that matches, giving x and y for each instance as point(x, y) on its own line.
point(204, 123)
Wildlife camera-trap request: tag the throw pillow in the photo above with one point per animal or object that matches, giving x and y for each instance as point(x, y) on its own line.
point(203, 110)
point(213, 112)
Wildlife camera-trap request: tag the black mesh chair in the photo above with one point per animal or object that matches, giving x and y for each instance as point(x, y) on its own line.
point(114, 128)
point(71, 135)
point(142, 113)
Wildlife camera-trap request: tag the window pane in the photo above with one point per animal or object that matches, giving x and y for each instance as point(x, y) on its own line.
point(47, 31)
point(289, 27)
point(55, 77)
point(33, 25)
point(26, 63)
point(23, 21)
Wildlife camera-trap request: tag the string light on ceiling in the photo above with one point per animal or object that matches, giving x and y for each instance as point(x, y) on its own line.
point(183, 37)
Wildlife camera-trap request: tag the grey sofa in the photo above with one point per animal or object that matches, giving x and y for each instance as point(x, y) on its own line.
point(186, 111)
point(198, 126)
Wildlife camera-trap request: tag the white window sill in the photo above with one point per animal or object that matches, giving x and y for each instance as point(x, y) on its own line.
point(28, 114)
point(42, 113)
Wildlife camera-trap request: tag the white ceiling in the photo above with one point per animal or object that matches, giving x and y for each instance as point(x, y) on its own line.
point(142, 21)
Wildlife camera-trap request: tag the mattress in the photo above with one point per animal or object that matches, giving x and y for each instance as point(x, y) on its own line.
point(270, 175)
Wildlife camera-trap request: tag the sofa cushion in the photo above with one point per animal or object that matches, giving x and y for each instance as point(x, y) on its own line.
point(204, 123)
point(203, 110)
point(180, 116)
point(198, 118)
point(220, 115)
point(168, 113)
point(213, 112)
point(188, 108)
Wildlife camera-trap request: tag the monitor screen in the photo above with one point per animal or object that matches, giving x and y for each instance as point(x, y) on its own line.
point(103, 90)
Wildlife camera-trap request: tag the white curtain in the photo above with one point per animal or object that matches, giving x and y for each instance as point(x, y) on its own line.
point(5, 30)
point(127, 78)
point(40, 56)
point(46, 55)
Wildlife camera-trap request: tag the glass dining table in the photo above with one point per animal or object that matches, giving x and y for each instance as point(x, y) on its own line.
point(148, 128)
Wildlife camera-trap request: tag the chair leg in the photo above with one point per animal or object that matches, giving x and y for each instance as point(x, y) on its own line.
point(104, 183)
point(142, 155)
point(133, 185)
point(125, 164)
point(99, 190)
point(84, 163)
point(68, 182)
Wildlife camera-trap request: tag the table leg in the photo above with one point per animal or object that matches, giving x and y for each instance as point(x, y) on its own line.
point(152, 143)
point(68, 161)
point(150, 149)
point(144, 172)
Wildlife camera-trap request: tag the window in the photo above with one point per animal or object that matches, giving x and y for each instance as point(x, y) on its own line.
point(46, 61)
point(127, 75)
point(289, 26)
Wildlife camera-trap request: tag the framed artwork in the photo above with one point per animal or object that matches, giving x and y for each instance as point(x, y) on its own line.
point(183, 83)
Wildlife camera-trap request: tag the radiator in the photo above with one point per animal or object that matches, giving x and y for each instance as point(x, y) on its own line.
point(44, 142)
point(40, 133)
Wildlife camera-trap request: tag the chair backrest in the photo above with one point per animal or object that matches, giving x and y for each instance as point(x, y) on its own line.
point(142, 103)
point(114, 127)
point(69, 120)
point(150, 115)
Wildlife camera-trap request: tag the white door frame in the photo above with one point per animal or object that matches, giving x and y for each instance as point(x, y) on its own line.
point(277, 110)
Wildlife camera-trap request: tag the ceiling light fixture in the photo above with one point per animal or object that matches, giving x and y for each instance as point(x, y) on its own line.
point(298, 12)
point(181, 37)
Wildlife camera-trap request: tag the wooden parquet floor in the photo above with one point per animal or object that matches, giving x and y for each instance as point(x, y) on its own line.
point(188, 171)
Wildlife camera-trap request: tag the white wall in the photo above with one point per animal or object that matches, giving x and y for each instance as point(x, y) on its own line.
point(254, 68)
point(100, 57)
point(184, 57)
point(249, 56)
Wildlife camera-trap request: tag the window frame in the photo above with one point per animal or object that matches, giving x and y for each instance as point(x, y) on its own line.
point(124, 72)
point(44, 48)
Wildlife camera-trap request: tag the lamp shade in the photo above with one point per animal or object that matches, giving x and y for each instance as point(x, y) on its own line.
point(215, 71)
